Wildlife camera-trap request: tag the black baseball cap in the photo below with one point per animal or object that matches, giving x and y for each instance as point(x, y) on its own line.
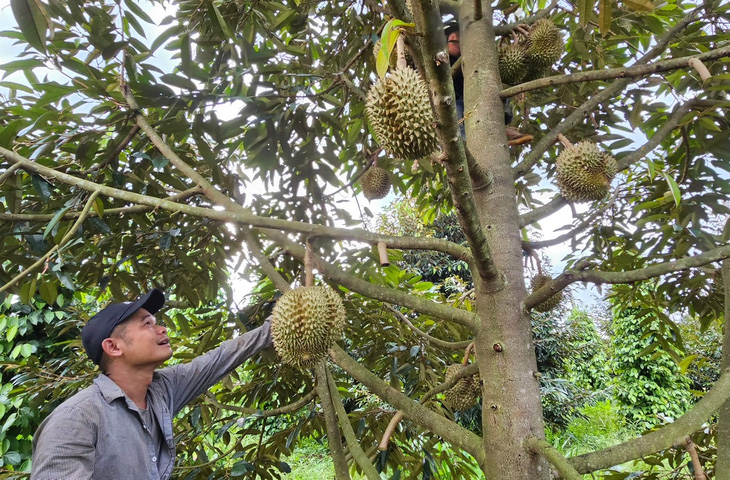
point(100, 326)
point(451, 27)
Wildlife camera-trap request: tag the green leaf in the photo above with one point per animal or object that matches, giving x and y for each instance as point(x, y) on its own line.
point(241, 467)
point(56, 218)
point(26, 350)
point(11, 333)
point(388, 41)
point(32, 22)
point(640, 5)
point(49, 292)
point(585, 8)
point(605, 16)
point(673, 187)
point(41, 186)
point(180, 82)
point(651, 167)
point(221, 21)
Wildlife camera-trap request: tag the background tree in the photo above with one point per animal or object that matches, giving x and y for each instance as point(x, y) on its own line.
point(121, 172)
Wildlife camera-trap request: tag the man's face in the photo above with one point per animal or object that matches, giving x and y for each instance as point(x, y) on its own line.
point(143, 342)
point(453, 42)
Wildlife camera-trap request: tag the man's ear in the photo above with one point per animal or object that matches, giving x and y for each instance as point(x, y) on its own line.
point(111, 347)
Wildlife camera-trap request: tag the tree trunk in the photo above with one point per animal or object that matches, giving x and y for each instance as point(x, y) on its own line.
point(722, 469)
point(512, 410)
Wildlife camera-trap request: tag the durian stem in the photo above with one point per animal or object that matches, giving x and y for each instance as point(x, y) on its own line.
point(330, 419)
point(389, 431)
point(552, 455)
point(697, 64)
point(308, 265)
point(467, 352)
point(562, 139)
point(401, 48)
point(383, 252)
point(690, 447)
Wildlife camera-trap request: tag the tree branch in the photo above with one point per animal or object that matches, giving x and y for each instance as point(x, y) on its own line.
point(8, 173)
point(46, 217)
point(353, 444)
point(72, 231)
point(412, 410)
point(634, 71)
point(377, 292)
point(238, 214)
point(330, 419)
point(629, 276)
point(453, 156)
point(290, 408)
point(552, 455)
point(546, 210)
point(616, 86)
point(503, 30)
point(266, 266)
point(432, 340)
point(662, 438)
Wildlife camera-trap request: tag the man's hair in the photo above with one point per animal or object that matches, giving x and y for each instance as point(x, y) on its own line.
point(120, 331)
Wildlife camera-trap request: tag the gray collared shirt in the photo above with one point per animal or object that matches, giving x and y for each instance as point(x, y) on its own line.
point(100, 434)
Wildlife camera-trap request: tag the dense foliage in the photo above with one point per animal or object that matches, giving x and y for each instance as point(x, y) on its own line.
point(178, 145)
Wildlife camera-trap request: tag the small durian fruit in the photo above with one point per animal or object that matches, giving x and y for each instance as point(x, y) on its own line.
point(305, 322)
point(399, 111)
point(584, 172)
point(465, 393)
point(375, 183)
point(512, 63)
point(539, 281)
point(544, 45)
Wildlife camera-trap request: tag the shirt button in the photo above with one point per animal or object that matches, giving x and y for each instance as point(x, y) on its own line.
point(154, 459)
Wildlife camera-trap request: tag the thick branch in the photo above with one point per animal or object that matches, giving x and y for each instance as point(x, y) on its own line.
point(240, 215)
point(432, 340)
point(330, 420)
point(412, 410)
point(377, 292)
point(546, 210)
point(634, 71)
point(72, 231)
point(665, 437)
point(630, 276)
point(723, 422)
point(266, 266)
point(46, 217)
point(353, 444)
point(616, 86)
point(292, 407)
point(8, 173)
point(453, 156)
point(552, 455)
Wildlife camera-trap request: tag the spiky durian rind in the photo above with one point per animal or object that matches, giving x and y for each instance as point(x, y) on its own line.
point(465, 393)
point(375, 183)
point(512, 63)
point(305, 322)
point(544, 45)
point(585, 173)
point(539, 281)
point(399, 111)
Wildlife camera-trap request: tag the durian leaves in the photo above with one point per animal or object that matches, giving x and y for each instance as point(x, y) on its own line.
point(605, 15)
point(388, 41)
point(673, 187)
point(32, 21)
point(640, 5)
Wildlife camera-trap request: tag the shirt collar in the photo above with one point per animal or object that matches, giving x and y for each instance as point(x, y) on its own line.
point(109, 390)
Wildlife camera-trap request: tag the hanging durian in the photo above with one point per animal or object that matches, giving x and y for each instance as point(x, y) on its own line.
point(375, 183)
point(539, 281)
point(305, 322)
point(465, 393)
point(584, 172)
point(512, 63)
point(544, 44)
point(399, 111)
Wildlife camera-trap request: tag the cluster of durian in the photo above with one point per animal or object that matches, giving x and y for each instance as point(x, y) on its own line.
point(539, 281)
point(584, 172)
point(305, 323)
point(375, 183)
point(532, 57)
point(399, 110)
point(465, 393)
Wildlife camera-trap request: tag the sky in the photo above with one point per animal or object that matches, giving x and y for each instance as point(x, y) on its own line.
point(242, 287)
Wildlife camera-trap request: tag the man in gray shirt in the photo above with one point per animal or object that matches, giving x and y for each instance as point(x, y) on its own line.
point(121, 426)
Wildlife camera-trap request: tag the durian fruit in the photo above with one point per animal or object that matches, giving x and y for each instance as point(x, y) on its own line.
point(539, 281)
point(585, 172)
point(544, 45)
point(465, 393)
point(399, 111)
point(305, 322)
point(512, 63)
point(375, 183)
